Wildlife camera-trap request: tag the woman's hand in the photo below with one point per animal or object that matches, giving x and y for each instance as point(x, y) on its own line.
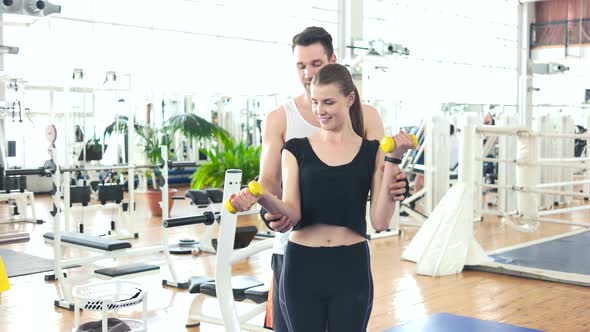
point(403, 142)
point(243, 200)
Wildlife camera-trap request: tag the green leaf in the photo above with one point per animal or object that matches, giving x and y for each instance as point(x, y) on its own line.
point(236, 156)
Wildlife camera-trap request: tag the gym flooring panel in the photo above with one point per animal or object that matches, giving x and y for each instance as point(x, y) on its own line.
point(563, 258)
point(19, 264)
point(444, 322)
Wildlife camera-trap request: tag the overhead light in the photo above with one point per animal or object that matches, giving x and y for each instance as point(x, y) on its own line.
point(8, 49)
point(29, 7)
point(78, 74)
point(111, 76)
point(14, 84)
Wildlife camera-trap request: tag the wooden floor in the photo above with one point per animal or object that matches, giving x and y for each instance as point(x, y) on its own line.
point(400, 295)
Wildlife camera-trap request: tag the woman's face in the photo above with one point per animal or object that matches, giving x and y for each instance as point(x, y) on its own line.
point(330, 106)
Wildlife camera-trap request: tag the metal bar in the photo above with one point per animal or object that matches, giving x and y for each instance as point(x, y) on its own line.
point(106, 168)
point(537, 191)
point(180, 164)
point(496, 186)
point(565, 160)
point(26, 171)
point(563, 222)
point(14, 237)
point(563, 135)
point(496, 160)
point(496, 131)
point(556, 22)
point(550, 164)
point(206, 218)
point(564, 210)
point(558, 184)
point(554, 192)
point(176, 164)
point(251, 250)
point(497, 213)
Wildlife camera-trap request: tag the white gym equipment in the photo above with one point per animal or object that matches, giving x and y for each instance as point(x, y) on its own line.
point(437, 175)
point(445, 243)
point(99, 249)
point(229, 316)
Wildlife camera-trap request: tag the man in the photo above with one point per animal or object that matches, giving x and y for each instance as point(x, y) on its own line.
point(312, 50)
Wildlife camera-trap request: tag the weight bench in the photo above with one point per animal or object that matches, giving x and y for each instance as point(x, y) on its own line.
point(89, 241)
point(119, 271)
point(105, 244)
point(204, 197)
point(243, 287)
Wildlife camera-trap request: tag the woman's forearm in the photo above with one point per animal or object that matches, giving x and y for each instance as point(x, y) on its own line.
point(276, 206)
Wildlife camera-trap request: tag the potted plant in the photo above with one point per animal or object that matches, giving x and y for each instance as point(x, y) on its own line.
point(229, 156)
point(152, 141)
point(93, 150)
point(189, 124)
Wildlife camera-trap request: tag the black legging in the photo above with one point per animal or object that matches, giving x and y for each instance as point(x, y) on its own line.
point(327, 288)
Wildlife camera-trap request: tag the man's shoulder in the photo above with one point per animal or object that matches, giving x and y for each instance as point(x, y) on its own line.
point(370, 110)
point(370, 114)
point(275, 123)
point(276, 116)
point(372, 121)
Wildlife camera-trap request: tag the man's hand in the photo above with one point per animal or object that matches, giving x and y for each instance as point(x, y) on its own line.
point(398, 189)
point(278, 223)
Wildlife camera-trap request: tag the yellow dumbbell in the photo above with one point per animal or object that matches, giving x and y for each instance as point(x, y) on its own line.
point(388, 144)
point(255, 189)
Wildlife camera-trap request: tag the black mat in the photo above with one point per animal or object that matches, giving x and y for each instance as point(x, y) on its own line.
point(19, 264)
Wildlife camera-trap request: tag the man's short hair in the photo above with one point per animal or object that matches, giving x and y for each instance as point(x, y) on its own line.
point(312, 35)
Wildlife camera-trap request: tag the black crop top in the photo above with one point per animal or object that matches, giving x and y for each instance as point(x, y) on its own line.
point(334, 195)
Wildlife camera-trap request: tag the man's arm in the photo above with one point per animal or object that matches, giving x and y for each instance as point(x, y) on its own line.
point(273, 131)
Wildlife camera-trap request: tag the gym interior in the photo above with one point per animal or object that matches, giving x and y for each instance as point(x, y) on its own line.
point(108, 106)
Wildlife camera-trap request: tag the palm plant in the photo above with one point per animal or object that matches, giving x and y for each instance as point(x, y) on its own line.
point(193, 126)
point(230, 156)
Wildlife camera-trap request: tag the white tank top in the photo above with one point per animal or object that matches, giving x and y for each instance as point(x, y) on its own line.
point(297, 127)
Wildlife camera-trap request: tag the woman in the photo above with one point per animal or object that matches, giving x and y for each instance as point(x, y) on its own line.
point(327, 281)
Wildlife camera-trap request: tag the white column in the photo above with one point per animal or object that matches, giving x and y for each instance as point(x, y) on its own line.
point(470, 171)
point(524, 66)
point(131, 158)
point(506, 171)
point(350, 29)
point(436, 160)
point(527, 176)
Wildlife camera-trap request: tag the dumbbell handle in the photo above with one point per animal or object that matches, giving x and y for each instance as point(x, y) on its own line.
point(255, 189)
point(388, 143)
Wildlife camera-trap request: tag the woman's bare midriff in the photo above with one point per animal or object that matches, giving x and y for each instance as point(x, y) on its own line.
point(322, 235)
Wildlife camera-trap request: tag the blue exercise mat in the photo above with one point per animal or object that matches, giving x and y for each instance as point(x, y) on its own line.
point(567, 254)
point(443, 322)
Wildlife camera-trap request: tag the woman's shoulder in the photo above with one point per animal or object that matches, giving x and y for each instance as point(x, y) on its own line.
point(373, 144)
point(295, 142)
point(295, 145)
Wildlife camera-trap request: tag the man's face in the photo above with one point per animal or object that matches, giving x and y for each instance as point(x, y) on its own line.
point(309, 59)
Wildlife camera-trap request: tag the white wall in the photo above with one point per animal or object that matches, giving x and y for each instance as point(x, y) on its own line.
point(460, 51)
